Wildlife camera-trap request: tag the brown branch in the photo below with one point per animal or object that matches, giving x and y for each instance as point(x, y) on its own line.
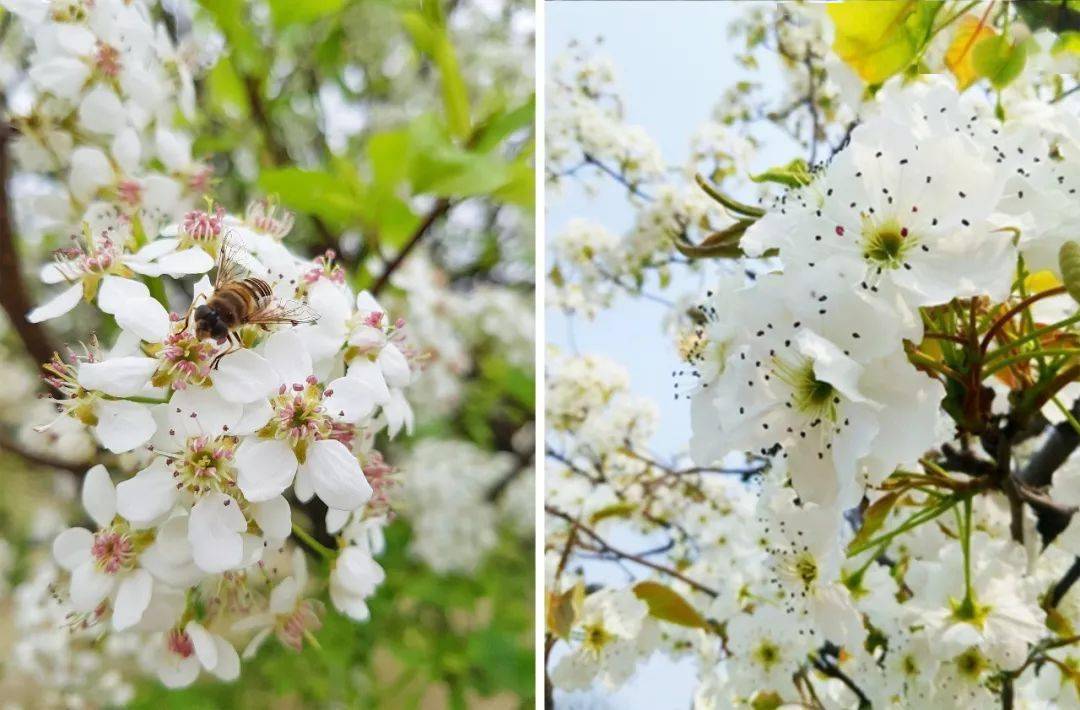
point(11, 446)
point(440, 208)
point(279, 154)
point(550, 510)
point(14, 296)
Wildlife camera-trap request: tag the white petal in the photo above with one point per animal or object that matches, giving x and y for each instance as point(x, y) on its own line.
point(336, 475)
point(203, 641)
point(244, 376)
point(89, 586)
point(119, 376)
point(101, 111)
point(398, 413)
point(123, 425)
point(117, 292)
point(146, 318)
point(90, 171)
point(255, 416)
point(371, 375)
point(99, 496)
point(350, 399)
point(126, 149)
point(266, 466)
point(394, 366)
point(61, 76)
point(189, 261)
point(57, 305)
point(351, 605)
point(214, 532)
point(157, 248)
point(72, 547)
point(336, 519)
point(283, 597)
point(285, 352)
point(228, 664)
point(150, 494)
point(198, 410)
point(51, 273)
point(176, 672)
point(132, 598)
point(274, 517)
point(302, 486)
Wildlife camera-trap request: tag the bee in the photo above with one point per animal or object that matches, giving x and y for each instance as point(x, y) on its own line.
point(240, 299)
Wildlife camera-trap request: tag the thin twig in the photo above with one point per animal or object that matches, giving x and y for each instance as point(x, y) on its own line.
point(441, 207)
point(551, 510)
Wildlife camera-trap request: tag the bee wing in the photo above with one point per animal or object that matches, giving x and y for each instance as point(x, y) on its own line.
point(234, 263)
point(277, 311)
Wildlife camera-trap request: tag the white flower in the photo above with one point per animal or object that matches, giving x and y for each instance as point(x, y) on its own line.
point(610, 623)
point(179, 655)
point(353, 579)
point(105, 564)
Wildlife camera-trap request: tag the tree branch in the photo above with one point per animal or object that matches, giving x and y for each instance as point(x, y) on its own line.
point(1059, 445)
point(14, 296)
point(441, 207)
point(551, 510)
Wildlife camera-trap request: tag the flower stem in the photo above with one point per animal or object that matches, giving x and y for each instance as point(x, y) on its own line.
point(1013, 359)
point(315, 545)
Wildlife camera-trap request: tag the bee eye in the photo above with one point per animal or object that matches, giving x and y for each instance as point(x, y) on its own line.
point(202, 311)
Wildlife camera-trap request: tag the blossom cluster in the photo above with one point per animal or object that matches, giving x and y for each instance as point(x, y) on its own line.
point(877, 508)
point(218, 431)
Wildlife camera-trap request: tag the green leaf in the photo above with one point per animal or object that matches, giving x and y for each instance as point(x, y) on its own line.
point(520, 187)
point(500, 125)
point(1069, 261)
point(1066, 43)
point(290, 12)
point(874, 517)
point(794, 174)
point(231, 17)
point(226, 90)
point(615, 510)
point(431, 38)
point(313, 192)
point(667, 605)
point(998, 60)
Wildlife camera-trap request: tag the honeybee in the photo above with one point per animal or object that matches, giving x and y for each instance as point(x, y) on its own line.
point(240, 299)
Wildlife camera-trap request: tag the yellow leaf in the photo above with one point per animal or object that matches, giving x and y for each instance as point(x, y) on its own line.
point(872, 36)
point(958, 57)
point(564, 609)
point(666, 604)
point(1041, 281)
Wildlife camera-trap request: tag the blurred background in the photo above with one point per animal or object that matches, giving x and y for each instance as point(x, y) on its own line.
point(345, 112)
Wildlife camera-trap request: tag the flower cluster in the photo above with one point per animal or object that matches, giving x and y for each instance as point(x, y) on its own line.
point(98, 114)
point(219, 433)
point(878, 507)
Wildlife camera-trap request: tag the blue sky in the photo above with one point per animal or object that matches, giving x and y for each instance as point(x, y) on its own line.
point(674, 60)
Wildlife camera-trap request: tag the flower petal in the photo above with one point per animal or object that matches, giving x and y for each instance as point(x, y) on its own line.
point(228, 664)
point(57, 305)
point(132, 598)
point(146, 318)
point(214, 532)
point(117, 292)
point(350, 399)
point(203, 641)
point(336, 475)
point(118, 376)
point(244, 376)
point(99, 495)
point(72, 547)
point(196, 411)
point(123, 425)
point(274, 517)
point(266, 466)
point(147, 496)
point(189, 261)
point(89, 586)
point(285, 352)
